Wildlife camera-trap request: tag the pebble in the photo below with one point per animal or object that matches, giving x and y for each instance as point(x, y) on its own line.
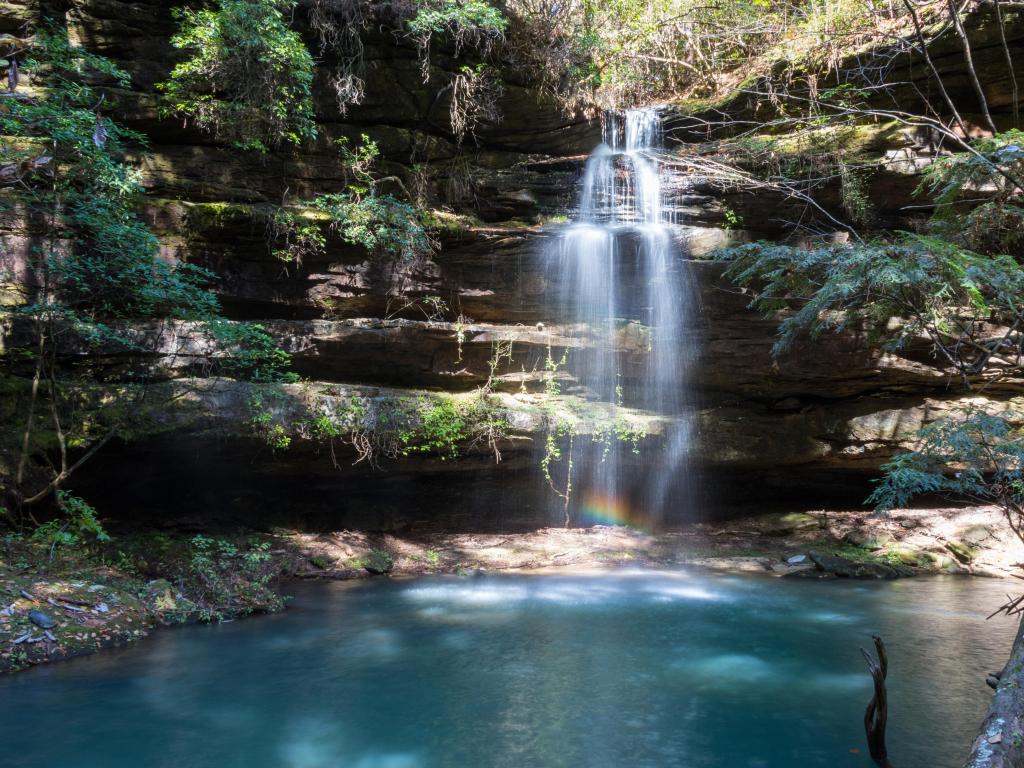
point(796, 559)
point(42, 620)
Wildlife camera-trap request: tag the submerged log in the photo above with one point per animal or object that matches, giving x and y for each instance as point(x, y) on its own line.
point(877, 712)
point(1000, 744)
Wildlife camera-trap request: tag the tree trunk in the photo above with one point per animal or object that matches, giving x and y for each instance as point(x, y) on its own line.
point(1001, 741)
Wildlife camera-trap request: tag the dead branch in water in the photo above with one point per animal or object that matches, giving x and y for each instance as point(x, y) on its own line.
point(877, 711)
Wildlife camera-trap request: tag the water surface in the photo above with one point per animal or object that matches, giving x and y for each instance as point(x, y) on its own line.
point(646, 669)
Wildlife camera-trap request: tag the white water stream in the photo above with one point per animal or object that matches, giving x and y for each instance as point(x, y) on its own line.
point(623, 272)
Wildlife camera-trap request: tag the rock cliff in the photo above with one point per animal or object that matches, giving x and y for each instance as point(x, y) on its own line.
point(814, 425)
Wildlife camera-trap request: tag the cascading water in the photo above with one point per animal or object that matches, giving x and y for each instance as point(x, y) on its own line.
point(626, 286)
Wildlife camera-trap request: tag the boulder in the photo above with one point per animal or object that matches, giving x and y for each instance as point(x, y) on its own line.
point(866, 538)
point(975, 535)
point(962, 551)
point(42, 620)
point(788, 524)
point(845, 568)
point(379, 562)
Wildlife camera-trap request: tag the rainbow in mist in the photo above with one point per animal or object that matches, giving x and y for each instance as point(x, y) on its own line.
point(601, 509)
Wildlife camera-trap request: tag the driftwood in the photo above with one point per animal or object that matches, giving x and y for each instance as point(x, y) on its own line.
point(877, 711)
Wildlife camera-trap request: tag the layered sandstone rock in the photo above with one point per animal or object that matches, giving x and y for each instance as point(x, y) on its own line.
point(818, 421)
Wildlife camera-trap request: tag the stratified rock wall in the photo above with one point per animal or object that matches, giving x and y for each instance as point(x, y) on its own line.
point(814, 425)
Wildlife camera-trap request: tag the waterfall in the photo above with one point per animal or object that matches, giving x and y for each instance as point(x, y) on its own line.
point(624, 284)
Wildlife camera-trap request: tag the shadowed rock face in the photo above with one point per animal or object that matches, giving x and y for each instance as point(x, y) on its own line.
point(813, 426)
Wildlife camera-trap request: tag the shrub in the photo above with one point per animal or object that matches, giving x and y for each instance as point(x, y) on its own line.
point(224, 579)
point(378, 561)
point(382, 224)
point(249, 76)
point(77, 525)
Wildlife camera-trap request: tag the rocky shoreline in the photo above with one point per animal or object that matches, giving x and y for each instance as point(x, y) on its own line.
point(61, 607)
point(964, 541)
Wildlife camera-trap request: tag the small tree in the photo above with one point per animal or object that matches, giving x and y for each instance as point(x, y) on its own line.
point(97, 289)
point(977, 456)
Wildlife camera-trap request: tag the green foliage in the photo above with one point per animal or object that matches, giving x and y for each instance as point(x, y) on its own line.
point(469, 22)
point(991, 228)
point(249, 76)
point(266, 404)
point(854, 192)
point(112, 271)
point(958, 290)
point(620, 53)
point(97, 269)
point(249, 352)
point(358, 162)
point(396, 427)
point(77, 525)
point(993, 170)
point(473, 91)
point(442, 427)
point(996, 165)
point(228, 580)
point(295, 237)
point(378, 561)
point(898, 291)
point(625, 52)
point(976, 455)
point(383, 225)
